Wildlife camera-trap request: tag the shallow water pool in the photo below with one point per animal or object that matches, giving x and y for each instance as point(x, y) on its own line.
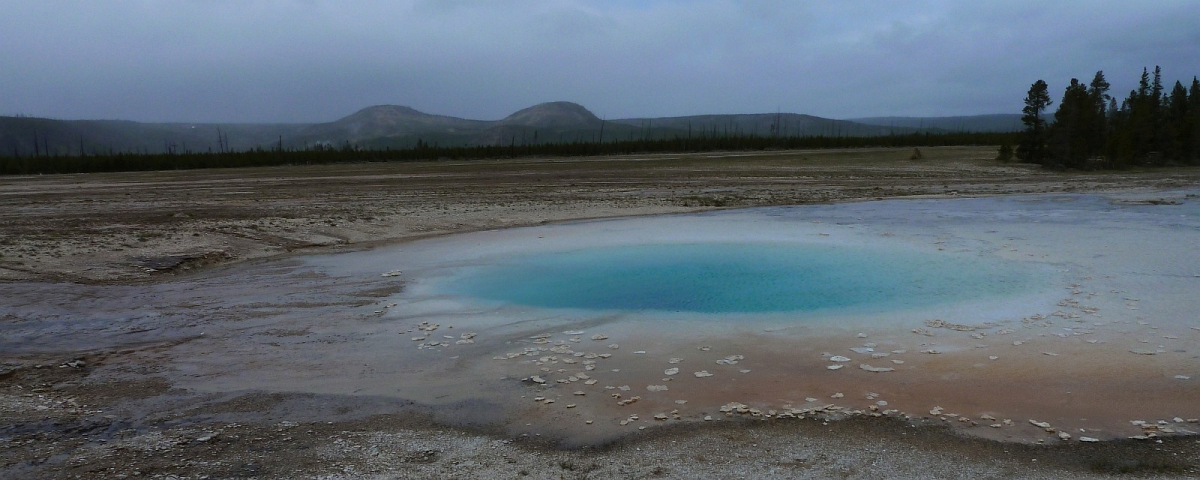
point(740, 278)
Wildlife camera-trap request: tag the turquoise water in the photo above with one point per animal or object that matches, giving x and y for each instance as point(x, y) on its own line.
point(748, 278)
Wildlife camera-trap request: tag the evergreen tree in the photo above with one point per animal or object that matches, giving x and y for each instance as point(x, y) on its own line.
point(1103, 106)
point(1191, 150)
point(1070, 136)
point(1005, 154)
point(1114, 134)
point(1160, 139)
point(1142, 115)
point(1032, 148)
point(1176, 125)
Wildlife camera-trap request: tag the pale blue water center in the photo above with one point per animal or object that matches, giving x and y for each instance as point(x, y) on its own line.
point(746, 278)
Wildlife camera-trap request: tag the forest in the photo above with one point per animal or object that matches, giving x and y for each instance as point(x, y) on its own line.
point(423, 151)
point(1090, 130)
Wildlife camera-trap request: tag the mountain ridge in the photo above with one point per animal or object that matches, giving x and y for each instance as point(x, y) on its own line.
point(996, 122)
point(399, 126)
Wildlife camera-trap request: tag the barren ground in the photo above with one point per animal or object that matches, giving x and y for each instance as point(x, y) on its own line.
point(61, 421)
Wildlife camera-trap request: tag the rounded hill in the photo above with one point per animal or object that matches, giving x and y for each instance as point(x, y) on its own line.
point(553, 115)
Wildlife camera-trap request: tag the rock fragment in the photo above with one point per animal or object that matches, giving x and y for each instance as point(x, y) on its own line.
point(427, 327)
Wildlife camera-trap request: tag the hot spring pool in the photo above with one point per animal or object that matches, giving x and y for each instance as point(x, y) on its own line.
point(1023, 307)
point(739, 278)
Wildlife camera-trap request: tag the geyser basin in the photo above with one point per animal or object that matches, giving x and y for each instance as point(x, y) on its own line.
point(739, 278)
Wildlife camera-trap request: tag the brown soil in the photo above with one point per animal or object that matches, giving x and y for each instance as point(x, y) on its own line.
point(61, 421)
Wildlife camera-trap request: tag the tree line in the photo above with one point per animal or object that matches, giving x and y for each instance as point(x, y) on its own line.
point(1090, 130)
point(424, 151)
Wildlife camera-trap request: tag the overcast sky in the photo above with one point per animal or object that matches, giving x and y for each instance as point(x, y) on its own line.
point(318, 60)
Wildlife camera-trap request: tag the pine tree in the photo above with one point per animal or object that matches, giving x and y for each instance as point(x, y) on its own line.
point(1005, 154)
point(1070, 136)
point(1102, 108)
point(1142, 112)
point(1176, 125)
point(1160, 138)
point(1032, 148)
point(1191, 149)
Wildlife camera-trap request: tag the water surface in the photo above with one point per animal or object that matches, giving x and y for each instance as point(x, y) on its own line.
point(741, 278)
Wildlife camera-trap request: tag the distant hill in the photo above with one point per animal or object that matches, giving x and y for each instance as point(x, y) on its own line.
point(763, 124)
point(394, 126)
point(392, 120)
point(1001, 122)
point(554, 115)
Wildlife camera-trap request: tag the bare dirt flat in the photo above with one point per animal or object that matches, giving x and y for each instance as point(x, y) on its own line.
point(93, 411)
point(129, 226)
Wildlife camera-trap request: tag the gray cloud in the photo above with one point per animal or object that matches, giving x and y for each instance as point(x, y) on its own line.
point(316, 60)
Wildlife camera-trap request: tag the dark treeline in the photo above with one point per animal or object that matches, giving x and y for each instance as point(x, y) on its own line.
point(1090, 130)
point(258, 157)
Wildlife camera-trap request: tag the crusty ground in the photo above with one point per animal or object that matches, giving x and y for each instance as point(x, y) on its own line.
point(61, 421)
point(130, 226)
